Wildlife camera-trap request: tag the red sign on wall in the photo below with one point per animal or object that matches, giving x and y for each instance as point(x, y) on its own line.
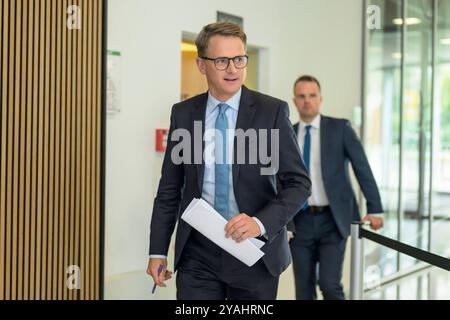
point(161, 140)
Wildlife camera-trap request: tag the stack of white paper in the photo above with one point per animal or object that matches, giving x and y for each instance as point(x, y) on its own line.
point(202, 217)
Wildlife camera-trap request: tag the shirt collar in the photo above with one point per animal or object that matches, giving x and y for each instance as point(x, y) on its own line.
point(233, 102)
point(315, 123)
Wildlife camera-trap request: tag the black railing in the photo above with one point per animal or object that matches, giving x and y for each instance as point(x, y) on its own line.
point(357, 256)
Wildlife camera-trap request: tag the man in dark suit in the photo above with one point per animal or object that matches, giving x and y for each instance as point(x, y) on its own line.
point(248, 198)
point(321, 228)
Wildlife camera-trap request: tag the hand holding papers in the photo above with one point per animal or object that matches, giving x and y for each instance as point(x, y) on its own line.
point(202, 217)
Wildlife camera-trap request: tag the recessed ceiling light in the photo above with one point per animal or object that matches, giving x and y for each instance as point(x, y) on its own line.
point(445, 41)
point(409, 21)
point(397, 55)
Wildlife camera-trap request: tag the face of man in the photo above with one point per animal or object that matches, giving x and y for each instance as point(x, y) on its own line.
point(307, 99)
point(223, 84)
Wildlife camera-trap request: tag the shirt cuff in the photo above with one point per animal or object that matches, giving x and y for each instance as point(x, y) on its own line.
point(376, 215)
point(261, 226)
point(157, 256)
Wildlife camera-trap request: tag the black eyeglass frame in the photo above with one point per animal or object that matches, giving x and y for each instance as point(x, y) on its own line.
point(229, 59)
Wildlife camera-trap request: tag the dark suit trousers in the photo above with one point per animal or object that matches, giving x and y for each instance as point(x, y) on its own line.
point(206, 272)
point(317, 250)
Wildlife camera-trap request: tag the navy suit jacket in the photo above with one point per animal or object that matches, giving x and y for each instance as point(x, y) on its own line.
point(339, 146)
point(256, 195)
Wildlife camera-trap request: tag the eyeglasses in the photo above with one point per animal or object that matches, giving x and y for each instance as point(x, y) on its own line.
point(222, 63)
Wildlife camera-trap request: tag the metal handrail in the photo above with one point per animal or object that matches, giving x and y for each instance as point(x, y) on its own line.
point(358, 233)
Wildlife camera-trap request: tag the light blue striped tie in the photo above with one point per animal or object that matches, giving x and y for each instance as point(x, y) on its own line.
point(222, 183)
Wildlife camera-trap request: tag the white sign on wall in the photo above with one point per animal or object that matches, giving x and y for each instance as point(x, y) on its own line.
point(113, 82)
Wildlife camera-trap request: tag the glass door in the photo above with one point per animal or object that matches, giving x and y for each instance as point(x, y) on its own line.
point(406, 127)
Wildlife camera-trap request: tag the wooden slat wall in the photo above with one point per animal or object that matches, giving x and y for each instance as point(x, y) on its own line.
point(51, 122)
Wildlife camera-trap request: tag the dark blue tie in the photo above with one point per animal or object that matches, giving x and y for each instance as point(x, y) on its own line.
point(307, 154)
point(221, 167)
point(307, 147)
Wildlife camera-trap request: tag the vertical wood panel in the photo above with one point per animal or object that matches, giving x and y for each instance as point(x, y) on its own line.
point(34, 157)
point(83, 152)
point(51, 148)
point(4, 27)
point(62, 184)
point(51, 144)
point(9, 151)
point(16, 155)
point(40, 147)
point(67, 187)
point(21, 155)
point(72, 165)
point(28, 144)
point(88, 268)
point(78, 133)
point(96, 128)
point(56, 157)
point(46, 149)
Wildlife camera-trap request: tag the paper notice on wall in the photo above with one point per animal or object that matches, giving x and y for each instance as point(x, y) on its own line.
point(113, 82)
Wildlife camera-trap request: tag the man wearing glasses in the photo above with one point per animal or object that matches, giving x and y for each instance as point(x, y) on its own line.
point(252, 202)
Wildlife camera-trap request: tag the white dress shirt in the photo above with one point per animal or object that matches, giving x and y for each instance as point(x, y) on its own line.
point(318, 194)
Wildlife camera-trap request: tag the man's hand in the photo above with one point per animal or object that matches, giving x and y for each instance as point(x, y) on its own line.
point(242, 227)
point(152, 270)
point(375, 222)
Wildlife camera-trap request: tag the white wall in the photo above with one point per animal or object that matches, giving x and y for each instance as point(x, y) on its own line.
point(329, 33)
point(320, 37)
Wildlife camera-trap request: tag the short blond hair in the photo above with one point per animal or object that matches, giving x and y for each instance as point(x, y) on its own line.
point(226, 29)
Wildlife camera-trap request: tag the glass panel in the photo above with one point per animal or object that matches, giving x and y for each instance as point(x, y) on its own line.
point(426, 138)
point(382, 125)
point(416, 125)
point(425, 171)
point(441, 136)
point(428, 284)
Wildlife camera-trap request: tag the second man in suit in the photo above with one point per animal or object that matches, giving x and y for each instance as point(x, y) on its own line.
point(322, 226)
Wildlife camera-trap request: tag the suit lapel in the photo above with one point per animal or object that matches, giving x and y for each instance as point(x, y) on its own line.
point(244, 121)
point(296, 128)
point(323, 143)
point(198, 114)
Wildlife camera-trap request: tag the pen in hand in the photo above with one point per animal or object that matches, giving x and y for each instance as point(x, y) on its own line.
point(160, 268)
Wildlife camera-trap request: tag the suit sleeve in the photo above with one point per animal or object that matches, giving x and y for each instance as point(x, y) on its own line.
point(166, 203)
point(355, 153)
point(291, 225)
point(294, 185)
